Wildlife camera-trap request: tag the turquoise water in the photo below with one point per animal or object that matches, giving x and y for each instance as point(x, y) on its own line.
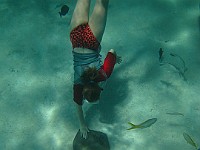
point(36, 107)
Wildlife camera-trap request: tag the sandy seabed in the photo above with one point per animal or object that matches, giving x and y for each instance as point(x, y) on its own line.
point(36, 107)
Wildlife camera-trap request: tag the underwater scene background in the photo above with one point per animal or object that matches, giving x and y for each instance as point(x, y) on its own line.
point(36, 102)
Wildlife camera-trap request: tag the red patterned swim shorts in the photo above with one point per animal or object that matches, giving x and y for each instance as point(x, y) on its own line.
point(82, 37)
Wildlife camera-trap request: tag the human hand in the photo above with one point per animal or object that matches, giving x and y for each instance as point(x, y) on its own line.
point(118, 59)
point(84, 130)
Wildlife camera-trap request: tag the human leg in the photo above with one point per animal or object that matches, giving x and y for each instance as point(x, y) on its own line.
point(81, 13)
point(97, 21)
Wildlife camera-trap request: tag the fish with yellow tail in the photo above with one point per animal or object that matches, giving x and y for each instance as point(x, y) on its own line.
point(145, 124)
point(190, 140)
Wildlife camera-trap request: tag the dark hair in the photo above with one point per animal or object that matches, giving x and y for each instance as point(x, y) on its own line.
point(91, 89)
point(89, 75)
point(91, 92)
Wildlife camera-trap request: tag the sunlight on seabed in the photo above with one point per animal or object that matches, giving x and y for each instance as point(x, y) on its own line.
point(181, 37)
point(126, 136)
point(48, 112)
point(28, 82)
point(50, 130)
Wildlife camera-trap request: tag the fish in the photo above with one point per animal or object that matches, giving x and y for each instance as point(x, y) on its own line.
point(172, 54)
point(181, 59)
point(160, 55)
point(167, 84)
point(175, 113)
point(189, 140)
point(64, 10)
point(145, 124)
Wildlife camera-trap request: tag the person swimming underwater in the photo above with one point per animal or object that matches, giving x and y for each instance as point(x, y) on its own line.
point(86, 34)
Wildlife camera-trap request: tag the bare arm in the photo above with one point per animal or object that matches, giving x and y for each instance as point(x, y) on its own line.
point(83, 126)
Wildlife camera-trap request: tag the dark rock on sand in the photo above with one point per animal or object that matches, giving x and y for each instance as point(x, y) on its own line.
point(95, 141)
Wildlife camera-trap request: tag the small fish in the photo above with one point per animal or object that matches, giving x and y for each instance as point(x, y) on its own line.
point(160, 55)
point(167, 84)
point(64, 10)
point(175, 113)
point(172, 54)
point(189, 140)
point(145, 124)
